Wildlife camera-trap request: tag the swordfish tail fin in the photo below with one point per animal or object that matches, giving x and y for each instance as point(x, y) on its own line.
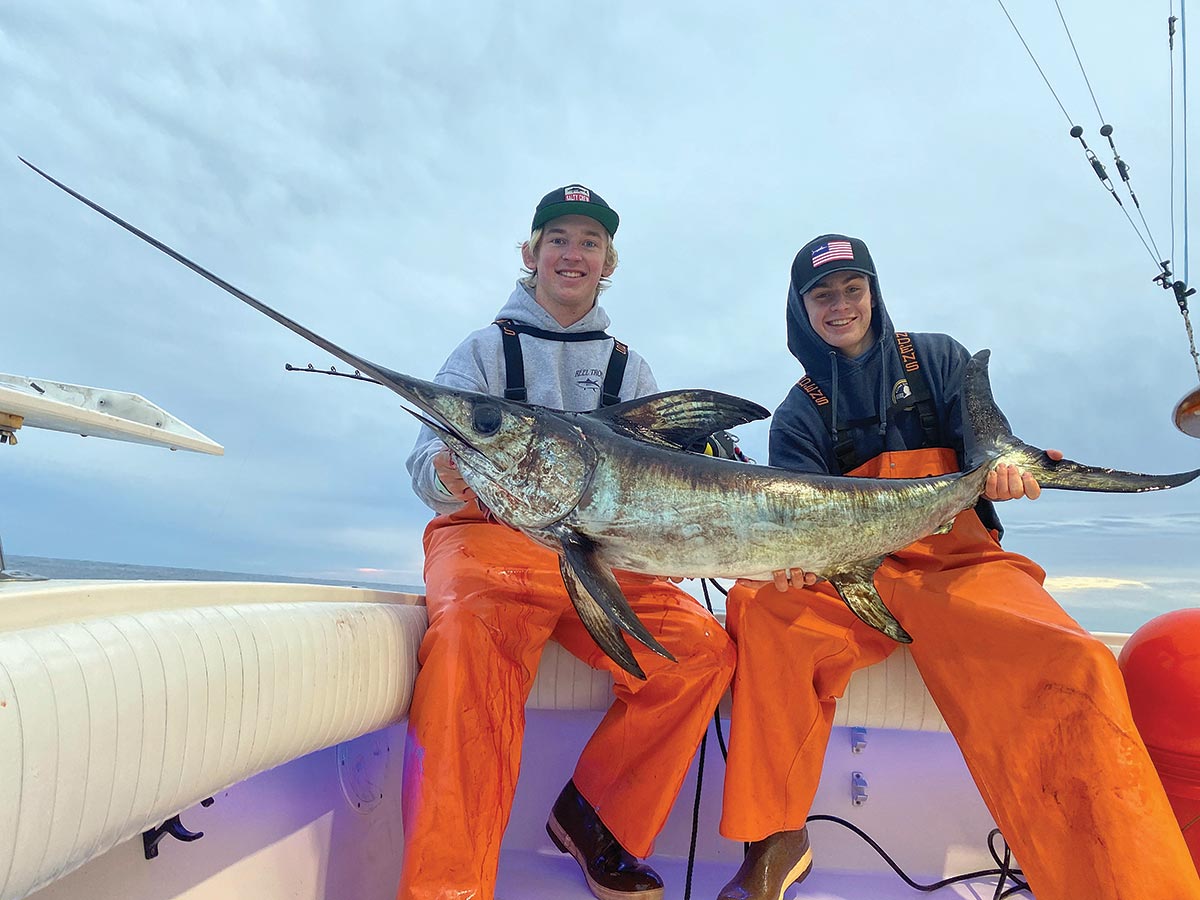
point(989, 438)
point(1068, 475)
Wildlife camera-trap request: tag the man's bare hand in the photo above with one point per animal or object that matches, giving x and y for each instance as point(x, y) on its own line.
point(1009, 482)
point(783, 579)
point(450, 477)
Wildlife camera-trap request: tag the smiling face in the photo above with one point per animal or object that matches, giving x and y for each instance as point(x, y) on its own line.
point(570, 260)
point(839, 310)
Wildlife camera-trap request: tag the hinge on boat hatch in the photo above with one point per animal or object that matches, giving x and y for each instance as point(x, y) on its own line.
point(858, 739)
point(858, 788)
point(172, 827)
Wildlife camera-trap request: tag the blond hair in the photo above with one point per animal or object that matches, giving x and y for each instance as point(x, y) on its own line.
point(534, 244)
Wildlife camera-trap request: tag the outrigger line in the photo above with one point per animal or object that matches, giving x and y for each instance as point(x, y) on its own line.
point(1106, 131)
point(1187, 413)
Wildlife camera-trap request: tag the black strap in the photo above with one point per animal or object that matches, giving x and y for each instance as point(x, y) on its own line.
point(843, 444)
point(919, 395)
point(844, 449)
point(514, 363)
point(614, 374)
point(563, 337)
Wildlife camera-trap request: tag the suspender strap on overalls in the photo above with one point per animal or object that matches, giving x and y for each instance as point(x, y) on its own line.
point(514, 364)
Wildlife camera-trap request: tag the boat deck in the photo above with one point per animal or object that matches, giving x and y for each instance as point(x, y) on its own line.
point(210, 681)
point(291, 832)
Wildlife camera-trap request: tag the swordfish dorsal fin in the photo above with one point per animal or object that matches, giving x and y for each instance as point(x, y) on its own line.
point(856, 586)
point(679, 418)
point(601, 605)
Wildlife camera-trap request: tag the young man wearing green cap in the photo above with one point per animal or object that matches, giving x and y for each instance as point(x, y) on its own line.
point(495, 598)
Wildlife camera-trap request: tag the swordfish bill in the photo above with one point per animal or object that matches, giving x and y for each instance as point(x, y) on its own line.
point(614, 489)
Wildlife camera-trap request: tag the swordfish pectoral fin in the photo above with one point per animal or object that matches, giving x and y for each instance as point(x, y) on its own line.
point(580, 564)
point(598, 622)
point(856, 586)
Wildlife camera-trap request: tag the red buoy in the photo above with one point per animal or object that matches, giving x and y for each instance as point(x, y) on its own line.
point(1161, 665)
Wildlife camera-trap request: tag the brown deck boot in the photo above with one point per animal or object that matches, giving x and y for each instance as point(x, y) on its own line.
point(611, 871)
point(771, 866)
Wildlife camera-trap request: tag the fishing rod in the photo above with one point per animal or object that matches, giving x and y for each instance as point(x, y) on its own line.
point(1187, 411)
point(332, 370)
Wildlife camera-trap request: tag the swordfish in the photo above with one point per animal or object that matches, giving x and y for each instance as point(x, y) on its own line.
point(614, 489)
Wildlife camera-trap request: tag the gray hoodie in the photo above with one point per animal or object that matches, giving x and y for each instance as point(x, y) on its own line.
point(558, 374)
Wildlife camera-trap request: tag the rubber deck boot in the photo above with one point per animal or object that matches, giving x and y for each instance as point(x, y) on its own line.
point(771, 866)
point(612, 872)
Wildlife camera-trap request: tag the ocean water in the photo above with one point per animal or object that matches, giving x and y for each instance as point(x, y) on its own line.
point(90, 569)
point(1106, 604)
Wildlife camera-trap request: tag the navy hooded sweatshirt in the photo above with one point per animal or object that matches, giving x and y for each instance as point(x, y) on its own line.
point(861, 391)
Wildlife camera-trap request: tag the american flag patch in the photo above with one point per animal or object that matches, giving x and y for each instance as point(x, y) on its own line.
point(575, 192)
point(831, 251)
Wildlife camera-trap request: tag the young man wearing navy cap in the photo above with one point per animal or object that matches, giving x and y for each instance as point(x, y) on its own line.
point(495, 598)
point(1037, 704)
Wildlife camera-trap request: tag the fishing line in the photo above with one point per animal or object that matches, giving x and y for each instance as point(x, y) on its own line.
point(1066, 114)
point(1003, 868)
point(1086, 81)
point(1106, 131)
point(1171, 20)
point(1185, 411)
point(691, 863)
point(704, 583)
point(1182, 292)
point(1183, 45)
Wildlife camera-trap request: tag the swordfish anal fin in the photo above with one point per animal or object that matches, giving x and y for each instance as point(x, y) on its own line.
point(856, 585)
point(599, 625)
point(600, 602)
point(679, 418)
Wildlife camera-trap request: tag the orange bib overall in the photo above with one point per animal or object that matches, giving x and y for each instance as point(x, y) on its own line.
point(495, 598)
point(1037, 705)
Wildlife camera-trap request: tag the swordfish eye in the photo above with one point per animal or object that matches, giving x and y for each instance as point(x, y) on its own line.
point(485, 418)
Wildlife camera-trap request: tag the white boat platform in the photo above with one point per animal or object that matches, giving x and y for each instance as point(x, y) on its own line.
point(123, 704)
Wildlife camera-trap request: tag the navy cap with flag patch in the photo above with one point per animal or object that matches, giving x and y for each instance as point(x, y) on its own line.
point(830, 253)
point(575, 200)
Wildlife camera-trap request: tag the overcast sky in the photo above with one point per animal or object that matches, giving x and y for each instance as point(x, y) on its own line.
point(370, 170)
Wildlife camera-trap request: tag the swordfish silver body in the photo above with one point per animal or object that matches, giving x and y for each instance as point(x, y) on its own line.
point(649, 511)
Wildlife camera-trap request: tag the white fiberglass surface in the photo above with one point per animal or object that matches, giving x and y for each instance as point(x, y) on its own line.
point(292, 833)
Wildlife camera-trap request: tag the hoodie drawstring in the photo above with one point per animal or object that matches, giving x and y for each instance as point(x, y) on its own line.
point(833, 401)
point(833, 392)
point(884, 399)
